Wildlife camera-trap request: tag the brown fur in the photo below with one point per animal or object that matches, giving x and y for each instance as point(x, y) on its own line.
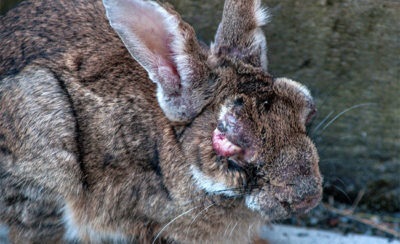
point(81, 131)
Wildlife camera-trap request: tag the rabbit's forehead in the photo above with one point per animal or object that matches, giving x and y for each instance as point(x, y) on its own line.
point(261, 87)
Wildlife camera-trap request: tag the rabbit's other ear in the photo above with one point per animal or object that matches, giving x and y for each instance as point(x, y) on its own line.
point(167, 48)
point(239, 34)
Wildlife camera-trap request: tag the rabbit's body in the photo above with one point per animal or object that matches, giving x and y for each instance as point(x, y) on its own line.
point(91, 149)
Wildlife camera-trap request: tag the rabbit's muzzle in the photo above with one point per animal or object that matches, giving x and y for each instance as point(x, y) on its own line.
point(276, 202)
point(291, 184)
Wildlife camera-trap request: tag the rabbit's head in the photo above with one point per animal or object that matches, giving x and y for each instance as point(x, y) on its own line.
point(244, 131)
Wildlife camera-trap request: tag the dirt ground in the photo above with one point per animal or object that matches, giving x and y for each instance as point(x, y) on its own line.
point(349, 219)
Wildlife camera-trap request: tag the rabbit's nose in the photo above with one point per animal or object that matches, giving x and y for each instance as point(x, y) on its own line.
point(306, 204)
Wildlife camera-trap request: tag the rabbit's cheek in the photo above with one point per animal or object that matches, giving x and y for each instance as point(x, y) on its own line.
point(210, 184)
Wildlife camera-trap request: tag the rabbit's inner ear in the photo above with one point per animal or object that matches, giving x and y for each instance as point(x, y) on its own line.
point(239, 34)
point(149, 32)
point(167, 48)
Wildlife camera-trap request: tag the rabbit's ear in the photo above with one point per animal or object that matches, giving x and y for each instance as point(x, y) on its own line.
point(167, 48)
point(239, 34)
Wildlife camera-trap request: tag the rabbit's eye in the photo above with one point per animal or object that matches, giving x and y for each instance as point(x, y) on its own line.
point(311, 115)
point(266, 105)
point(238, 101)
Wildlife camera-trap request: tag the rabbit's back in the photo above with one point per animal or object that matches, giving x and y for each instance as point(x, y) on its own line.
point(71, 38)
point(60, 141)
point(74, 107)
point(32, 214)
point(37, 131)
point(45, 29)
point(64, 55)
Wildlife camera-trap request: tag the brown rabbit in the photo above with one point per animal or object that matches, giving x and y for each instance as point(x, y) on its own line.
point(116, 125)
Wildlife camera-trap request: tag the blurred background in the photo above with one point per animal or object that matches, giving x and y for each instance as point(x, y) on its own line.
point(348, 53)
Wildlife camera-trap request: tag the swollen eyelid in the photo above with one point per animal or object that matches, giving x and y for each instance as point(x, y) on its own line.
point(311, 114)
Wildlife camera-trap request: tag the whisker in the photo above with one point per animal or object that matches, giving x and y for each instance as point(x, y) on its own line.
point(345, 111)
point(250, 229)
point(340, 180)
point(233, 228)
point(321, 123)
point(241, 189)
point(197, 215)
point(240, 192)
point(343, 192)
point(177, 217)
point(227, 228)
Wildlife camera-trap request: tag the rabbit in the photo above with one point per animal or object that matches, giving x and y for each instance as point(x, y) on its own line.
point(118, 126)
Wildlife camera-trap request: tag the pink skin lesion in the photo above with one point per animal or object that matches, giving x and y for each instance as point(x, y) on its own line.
point(223, 146)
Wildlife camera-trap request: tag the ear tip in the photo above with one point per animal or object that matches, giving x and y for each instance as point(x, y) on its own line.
point(262, 15)
point(106, 2)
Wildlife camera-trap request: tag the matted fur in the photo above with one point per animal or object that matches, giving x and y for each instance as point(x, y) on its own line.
point(106, 135)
